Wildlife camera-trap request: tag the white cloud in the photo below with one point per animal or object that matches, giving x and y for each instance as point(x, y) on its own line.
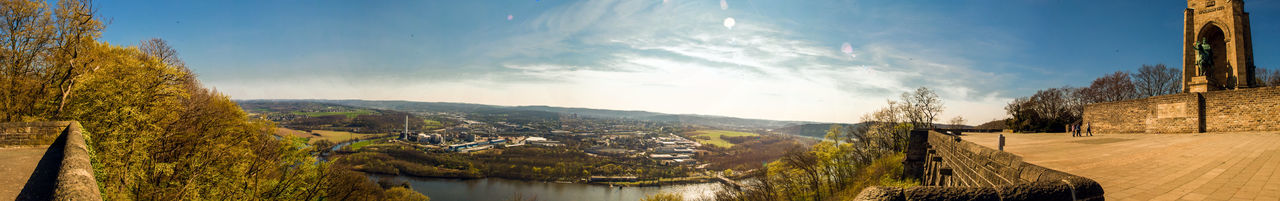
point(679, 58)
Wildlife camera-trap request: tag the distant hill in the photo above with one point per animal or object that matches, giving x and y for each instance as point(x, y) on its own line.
point(993, 125)
point(817, 130)
point(311, 115)
point(550, 112)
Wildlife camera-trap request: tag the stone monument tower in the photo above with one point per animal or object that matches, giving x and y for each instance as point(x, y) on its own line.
point(1217, 49)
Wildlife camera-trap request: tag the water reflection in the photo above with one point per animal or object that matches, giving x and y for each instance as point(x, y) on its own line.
point(503, 189)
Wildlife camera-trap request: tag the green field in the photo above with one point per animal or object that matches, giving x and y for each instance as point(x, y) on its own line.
point(349, 114)
point(715, 137)
point(358, 145)
point(332, 136)
point(373, 142)
point(432, 124)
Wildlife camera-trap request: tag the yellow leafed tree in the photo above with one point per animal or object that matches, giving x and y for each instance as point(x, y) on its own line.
point(154, 131)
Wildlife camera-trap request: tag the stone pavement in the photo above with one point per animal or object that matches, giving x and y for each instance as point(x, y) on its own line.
point(1206, 166)
point(17, 166)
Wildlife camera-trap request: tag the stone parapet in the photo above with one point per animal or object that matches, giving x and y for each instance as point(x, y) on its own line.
point(65, 139)
point(954, 169)
point(75, 177)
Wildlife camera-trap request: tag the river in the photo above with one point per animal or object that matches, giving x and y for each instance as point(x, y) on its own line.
point(504, 189)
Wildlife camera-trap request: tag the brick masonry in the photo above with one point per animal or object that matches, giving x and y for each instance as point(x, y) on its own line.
point(1252, 109)
point(953, 169)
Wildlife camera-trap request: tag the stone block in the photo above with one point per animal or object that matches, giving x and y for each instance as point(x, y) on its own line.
point(881, 193)
point(1032, 172)
point(951, 193)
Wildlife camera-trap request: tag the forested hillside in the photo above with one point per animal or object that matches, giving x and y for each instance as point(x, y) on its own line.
point(531, 113)
point(811, 130)
point(155, 132)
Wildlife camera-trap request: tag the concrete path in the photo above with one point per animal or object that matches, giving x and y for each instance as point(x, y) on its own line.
point(1212, 166)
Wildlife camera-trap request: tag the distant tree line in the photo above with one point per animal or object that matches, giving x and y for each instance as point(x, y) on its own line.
point(1054, 109)
point(1266, 77)
point(154, 131)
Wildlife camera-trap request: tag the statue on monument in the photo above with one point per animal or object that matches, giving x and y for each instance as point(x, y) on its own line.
point(1204, 58)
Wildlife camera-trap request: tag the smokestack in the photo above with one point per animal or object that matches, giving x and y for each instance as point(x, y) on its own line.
point(406, 124)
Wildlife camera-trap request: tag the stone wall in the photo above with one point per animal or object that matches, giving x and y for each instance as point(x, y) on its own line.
point(1118, 117)
point(75, 180)
point(30, 133)
point(953, 169)
point(1253, 109)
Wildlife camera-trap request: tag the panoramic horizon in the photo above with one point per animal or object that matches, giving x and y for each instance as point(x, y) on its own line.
point(823, 61)
point(639, 100)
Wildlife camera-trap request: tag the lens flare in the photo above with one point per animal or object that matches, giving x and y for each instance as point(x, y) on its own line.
point(724, 5)
point(729, 22)
point(509, 17)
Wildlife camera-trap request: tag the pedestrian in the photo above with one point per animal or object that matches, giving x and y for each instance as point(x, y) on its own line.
point(1089, 126)
point(1077, 128)
point(1073, 130)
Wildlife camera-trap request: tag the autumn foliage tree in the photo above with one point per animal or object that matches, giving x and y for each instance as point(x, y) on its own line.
point(44, 50)
point(154, 131)
point(849, 158)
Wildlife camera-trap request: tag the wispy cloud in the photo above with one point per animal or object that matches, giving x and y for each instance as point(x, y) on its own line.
point(677, 57)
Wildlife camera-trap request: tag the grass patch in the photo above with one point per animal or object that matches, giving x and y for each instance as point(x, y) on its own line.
point(361, 144)
point(299, 140)
point(332, 136)
point(713, 137)
point(349, 114)
point(432, 124)
point(338, 136)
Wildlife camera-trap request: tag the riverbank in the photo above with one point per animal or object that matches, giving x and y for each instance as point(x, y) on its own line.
point(644, 183)
point(659, 182)
point(506, 189)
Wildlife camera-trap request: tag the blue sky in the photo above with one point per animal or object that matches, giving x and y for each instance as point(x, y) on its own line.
point(780, 59)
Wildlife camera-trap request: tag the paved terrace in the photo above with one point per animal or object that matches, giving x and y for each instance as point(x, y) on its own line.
point(1208, 166)
point(45, 161)
point(20, 175)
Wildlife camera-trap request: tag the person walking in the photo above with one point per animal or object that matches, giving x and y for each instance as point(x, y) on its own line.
point(1089, 127)
point(1072, 128)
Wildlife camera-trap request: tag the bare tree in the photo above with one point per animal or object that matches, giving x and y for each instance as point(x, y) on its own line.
point(957, 122)
point(1156, 80)
point(160, 50)
point(921, 107)
point(1048, 110)
point(1266, 77)
point(1111, 87)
